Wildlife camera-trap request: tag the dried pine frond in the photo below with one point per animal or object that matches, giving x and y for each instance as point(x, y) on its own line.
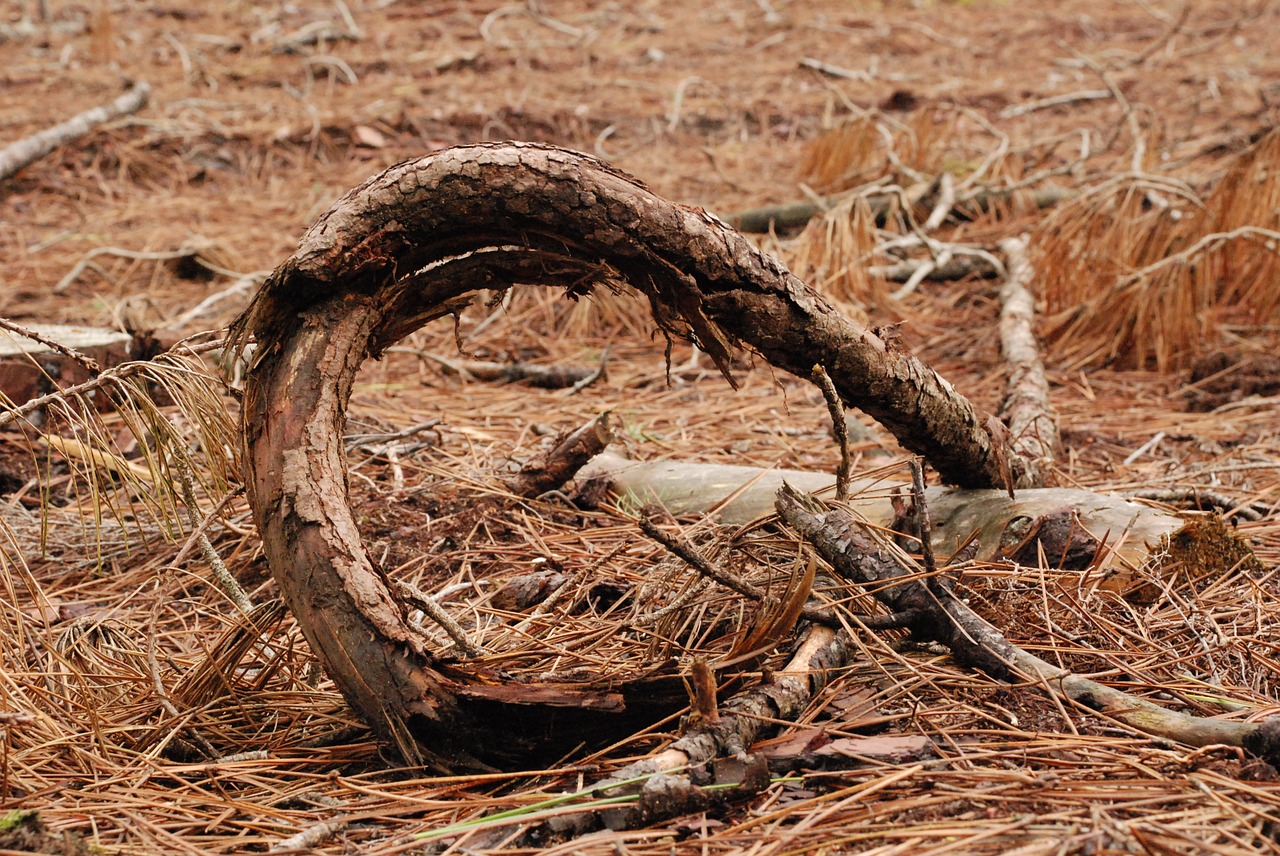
point(1088, 245)
point(843, 157)
point(831, 255)
point(1143, 275)
point(116, 465)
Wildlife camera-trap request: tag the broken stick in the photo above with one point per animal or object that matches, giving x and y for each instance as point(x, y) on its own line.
point(15, 156)
point(854, 552)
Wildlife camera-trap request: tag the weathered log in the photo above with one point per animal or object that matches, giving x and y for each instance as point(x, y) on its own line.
point(410, 245)
point(1124, 542)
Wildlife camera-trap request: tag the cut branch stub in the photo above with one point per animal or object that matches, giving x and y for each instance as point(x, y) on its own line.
point(410, 245)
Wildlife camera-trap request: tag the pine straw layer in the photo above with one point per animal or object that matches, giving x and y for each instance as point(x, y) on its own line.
point(1006, 767)
point(126, 669)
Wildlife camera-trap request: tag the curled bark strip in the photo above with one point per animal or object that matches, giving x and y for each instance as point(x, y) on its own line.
point(410, 245)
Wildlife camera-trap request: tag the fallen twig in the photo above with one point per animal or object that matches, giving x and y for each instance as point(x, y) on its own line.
point(1016, 110)
point(15, 156)
point(90, 364)
point(853, 551)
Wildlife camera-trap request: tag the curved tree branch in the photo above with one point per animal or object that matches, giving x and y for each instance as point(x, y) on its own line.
point(410, 245)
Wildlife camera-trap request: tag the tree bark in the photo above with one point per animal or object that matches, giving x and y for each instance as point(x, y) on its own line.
point(410, 245)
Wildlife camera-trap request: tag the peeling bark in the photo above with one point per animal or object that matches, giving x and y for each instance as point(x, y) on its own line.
point(410, 245)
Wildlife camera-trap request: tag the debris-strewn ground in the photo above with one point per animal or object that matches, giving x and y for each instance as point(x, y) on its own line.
point(139, 715)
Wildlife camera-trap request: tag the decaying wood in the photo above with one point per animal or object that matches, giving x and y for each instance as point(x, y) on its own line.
point(738, 494)
point(1123, 544)
point(846, 544)
point(1026, 408)
point(58, 354)
point(15, 156)
point(792, 215)
point(550, 470)
point(410, 245)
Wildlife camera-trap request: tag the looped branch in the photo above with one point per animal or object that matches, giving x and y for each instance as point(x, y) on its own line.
point(409, 246)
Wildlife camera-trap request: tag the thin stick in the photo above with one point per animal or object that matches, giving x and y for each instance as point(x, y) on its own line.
point(840, 426)
point(436, 613)
point(120, 372)
point(89, 363)
point(87, 261)
point(924, 529)
point(15, 156)
point(1054, 101)
point(223, 577)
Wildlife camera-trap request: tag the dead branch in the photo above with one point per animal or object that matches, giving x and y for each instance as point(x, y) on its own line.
point(15, 156)
point(550, 471)
point(1016, 110)
point(853, 551)
point(792, 215)
point(839, 427)
point(1026, 409)
point(955, 268)
point(88, 363)
point(410, 245)
point(542, 377)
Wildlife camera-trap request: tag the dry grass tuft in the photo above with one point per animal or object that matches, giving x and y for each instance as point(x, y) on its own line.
point(1139, 273)
point(832, 254)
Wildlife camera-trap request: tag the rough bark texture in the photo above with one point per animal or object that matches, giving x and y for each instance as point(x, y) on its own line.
point(298, 471)
point(550, 470)
point(409, 246)
point(423, 234)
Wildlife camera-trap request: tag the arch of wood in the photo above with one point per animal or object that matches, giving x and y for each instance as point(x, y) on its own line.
point(411, 245)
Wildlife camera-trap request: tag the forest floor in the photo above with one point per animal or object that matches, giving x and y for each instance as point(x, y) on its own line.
point(118, 651)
